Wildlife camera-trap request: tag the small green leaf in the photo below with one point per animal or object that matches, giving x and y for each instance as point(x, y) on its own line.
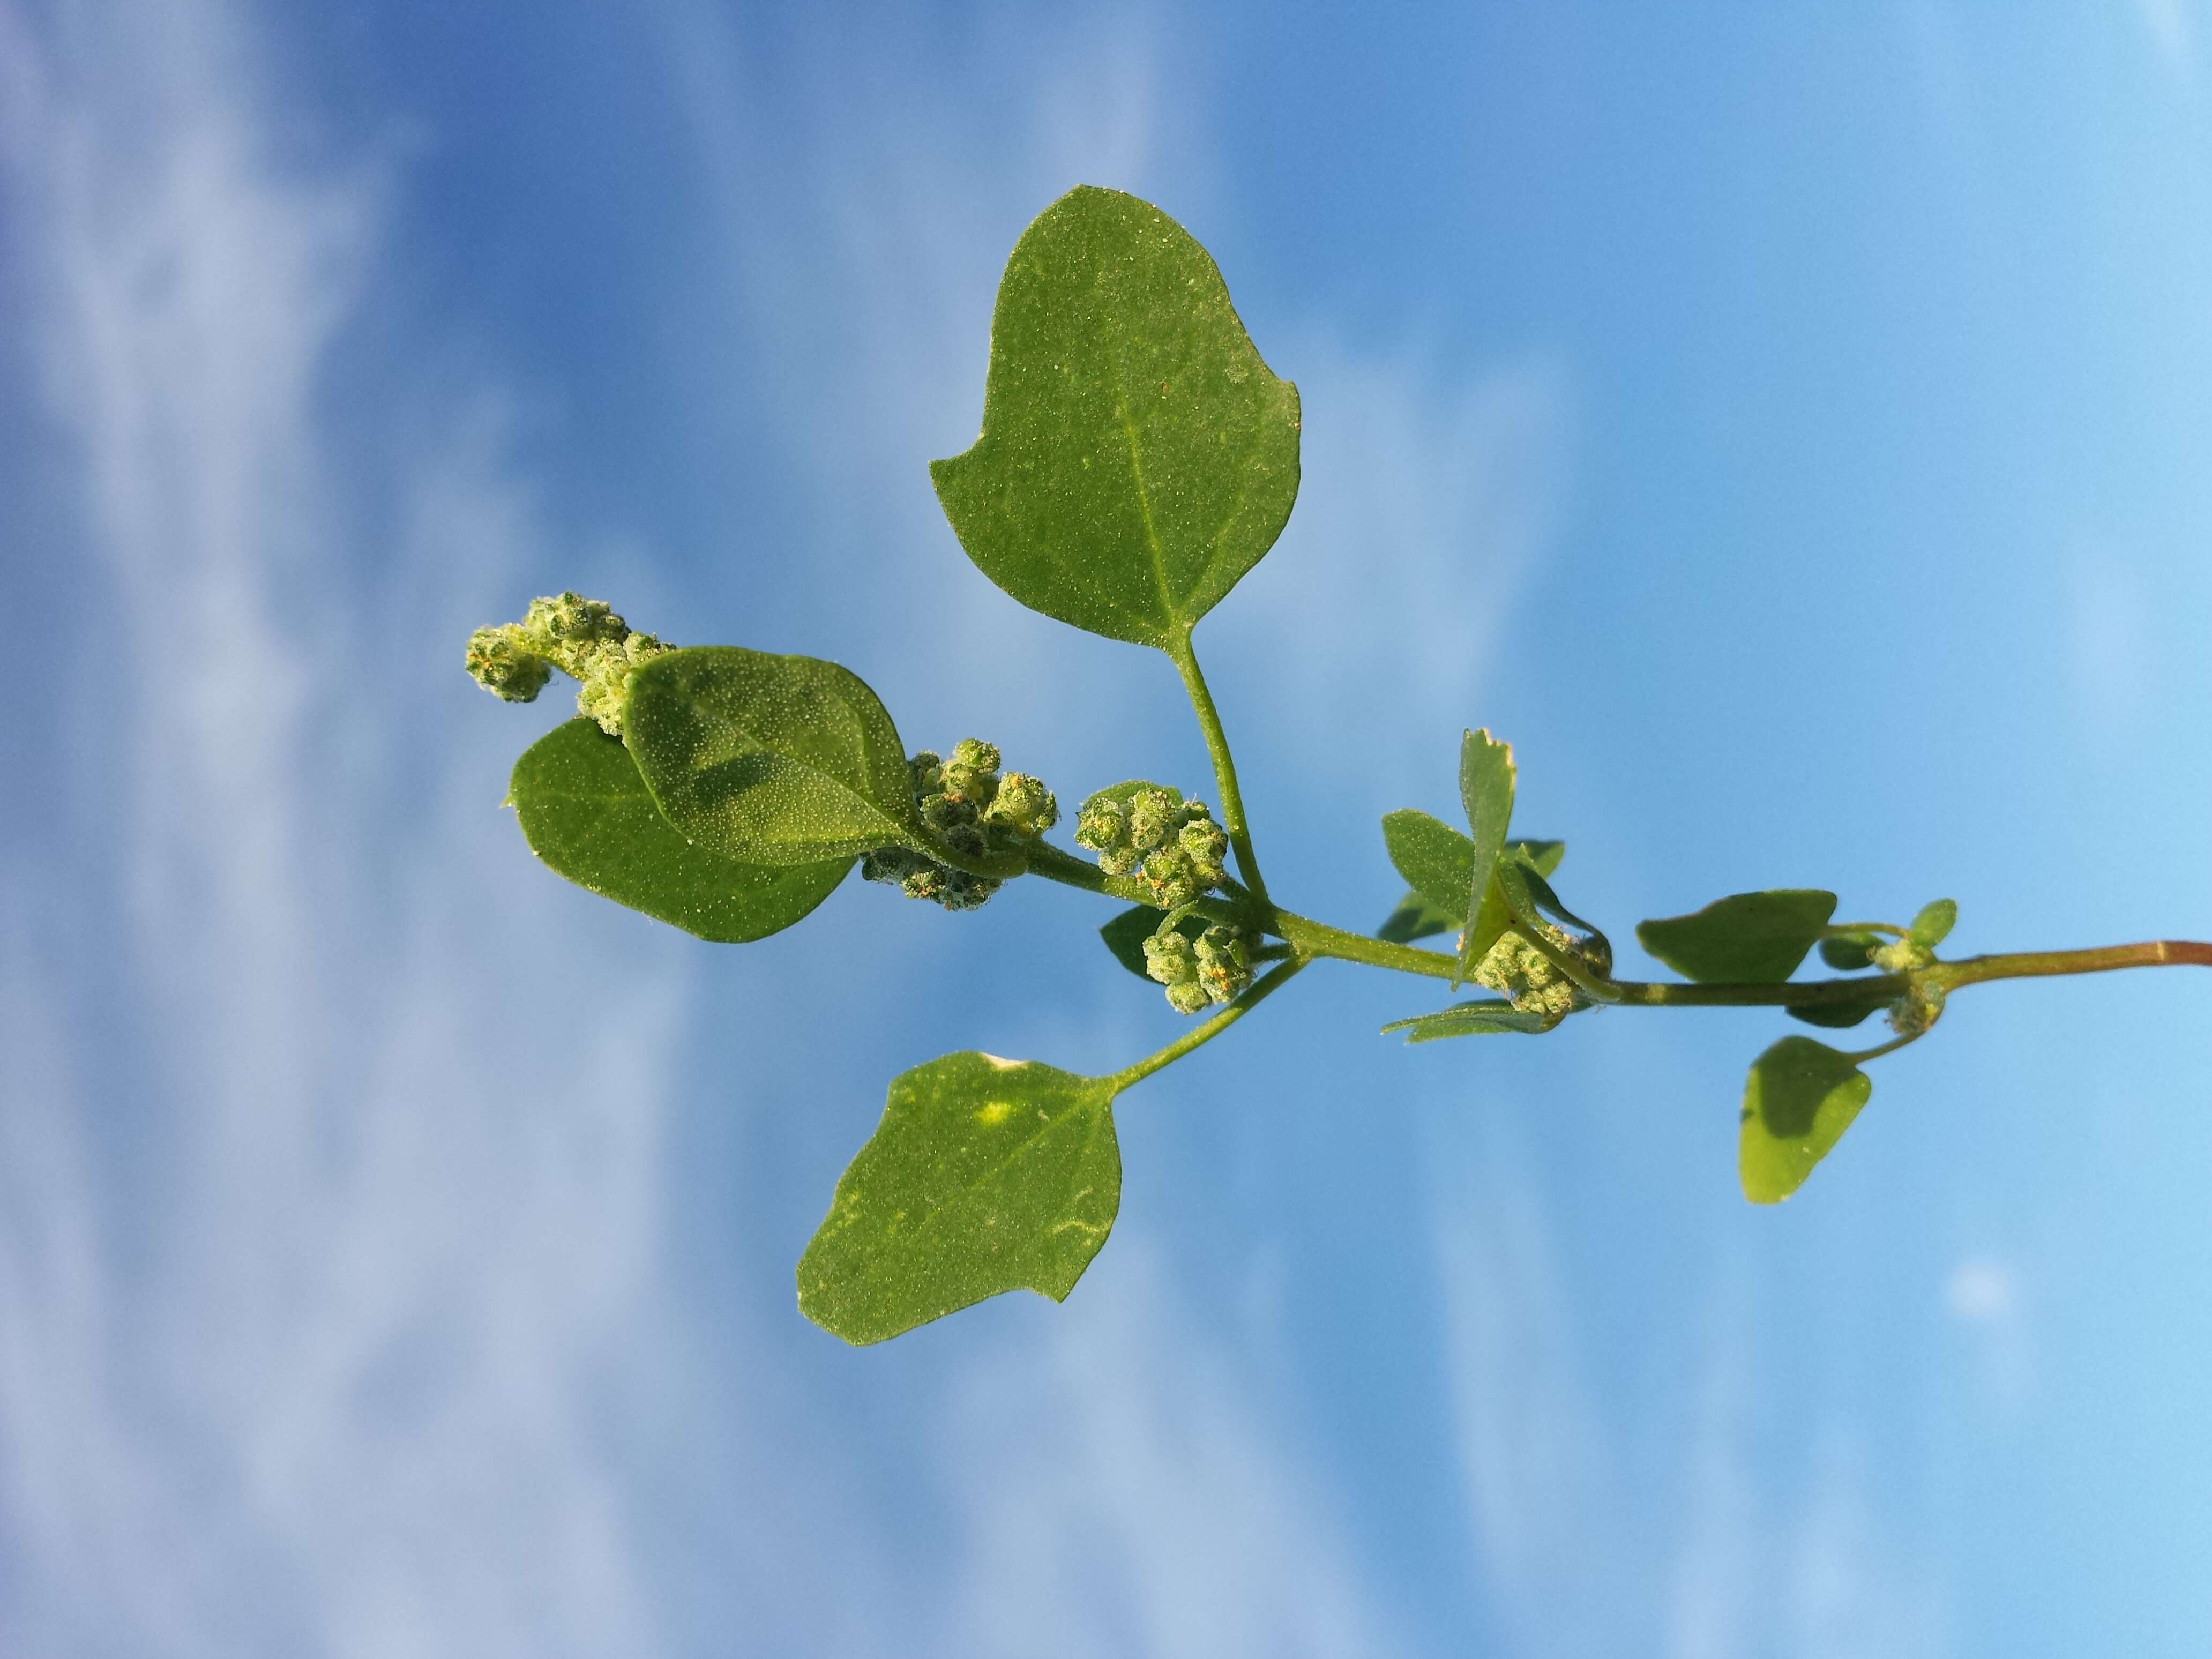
point(1850, 951)
point(1541, 856)
point(1137, 456)
point(1126, 934)
point(1839, 1016)
point(1485, 791)
point(1416, 918)
point(587, 812)
point(773, 760)
point(1470, 1019)
point(985, 1175)
point(1435, 858)
point(1800, 1098)
point(1934, 923)
point(1531, 899)
point(1747, 939)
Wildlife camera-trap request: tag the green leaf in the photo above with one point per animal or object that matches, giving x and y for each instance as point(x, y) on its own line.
point(1541, 856)
point(587, 812)
point(1137, 457)
point(1126, 934)
point(1435, 858)
point(1485, 791)
point(1416, 918)
point(1800, 1098)
point(1852, 951)
point(1839, 1016)
point(1470, 1019)
point(1934, 923)
point(986, 1175)
point(773, 760)
point(1747, 939)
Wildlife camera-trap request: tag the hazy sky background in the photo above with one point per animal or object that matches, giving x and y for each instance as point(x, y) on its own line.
point(1789, 427)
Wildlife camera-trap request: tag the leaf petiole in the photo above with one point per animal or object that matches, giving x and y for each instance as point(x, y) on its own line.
point(1259, 991)
point(1225, 766)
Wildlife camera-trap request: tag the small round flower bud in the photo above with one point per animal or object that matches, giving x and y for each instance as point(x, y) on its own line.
point(1169, 874)
point(1170, 958)
point(927, 771)
point(1102, 824)
point(1900, 956)
point(1912, 1014)
point(972, 773)
point(570, 620)
point(1152, 818)
point(1203, 842)
point(1224, 964)
point(501, 661)
point(1188, 998)
point(1023, 805)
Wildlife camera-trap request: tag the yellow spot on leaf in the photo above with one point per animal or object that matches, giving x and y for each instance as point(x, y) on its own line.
point(996, 1111)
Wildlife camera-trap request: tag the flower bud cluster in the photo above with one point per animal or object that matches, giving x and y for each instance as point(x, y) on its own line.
point(1912, 1014)
point(1174, 845)
point(583, 638)
point(1527, 978)
point(974, 811)
point(1903, 956)
point(1215, 967)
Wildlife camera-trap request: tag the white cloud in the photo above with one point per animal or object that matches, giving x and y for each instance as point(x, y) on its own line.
point(1424, 506)
point(304, 1327)
point(2172, 32)
point(1121, 1493)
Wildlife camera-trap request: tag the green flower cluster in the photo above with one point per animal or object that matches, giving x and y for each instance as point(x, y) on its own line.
point(973, 810)
point(1215, 967)
point(583, 638)
point(1174, 845)
point(1529, 979)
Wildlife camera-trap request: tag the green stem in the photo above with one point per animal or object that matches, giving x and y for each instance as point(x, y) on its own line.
point(1048, 862)
point(1806, 994)
point(1257, 992)
point(1316, 938)
point(2040, 964)
point(1224, 768)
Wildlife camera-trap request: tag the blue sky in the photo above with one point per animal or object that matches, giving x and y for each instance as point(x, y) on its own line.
point(1790, 427)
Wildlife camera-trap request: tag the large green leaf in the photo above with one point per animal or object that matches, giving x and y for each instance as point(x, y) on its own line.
point(1435, 859)
point(772, 760)
point(986, 1175)
point(1747, 939)
point(1137, 456)
point(1800, 1098)
point(1419, 916)
point(1471, 1019)
point(1416, 918)
point(587, 812)
point(1485, 792)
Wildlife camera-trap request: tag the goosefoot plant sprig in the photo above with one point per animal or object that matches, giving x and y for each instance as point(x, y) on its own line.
point(1137, 458)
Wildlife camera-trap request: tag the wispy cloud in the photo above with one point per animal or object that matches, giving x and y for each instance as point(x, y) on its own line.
point(306, 1300)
